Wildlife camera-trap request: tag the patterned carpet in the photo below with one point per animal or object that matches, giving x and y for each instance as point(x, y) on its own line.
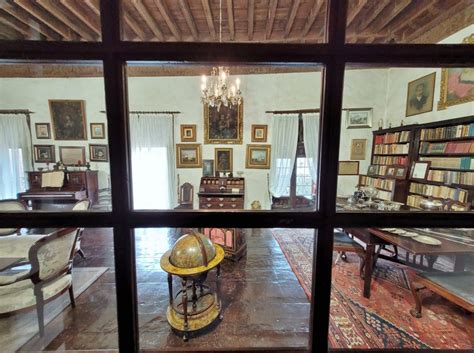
point(383, 321)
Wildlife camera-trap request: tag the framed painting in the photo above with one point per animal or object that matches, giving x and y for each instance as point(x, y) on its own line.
point(223, 125)
point(358, 147)
point(419, 170)
point(43, 130)
point(259, 133)
point(97, 131)
point(188, 155)
point(72, 155)
point(99, 153)
point(223, 160)
point(372, 170)
point(420, 95)
point(44, 153)
point(359, 118)
point(400, 173)
point(188, 133)
point(258, 157)
point(69, 119)
point(348, 168)
point(208, 167)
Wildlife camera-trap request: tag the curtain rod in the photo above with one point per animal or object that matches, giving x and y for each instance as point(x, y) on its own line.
point(148, 112)
point(298, 111)
point(16, 111)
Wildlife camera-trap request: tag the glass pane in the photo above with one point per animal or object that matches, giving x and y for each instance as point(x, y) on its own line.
point(53, 133)
point(224, 21)
point(46, 20)
point(409, 21)
point(262, 293)
point(407, 140)
point(403, 289)
point(45, 252)
point(222, 138)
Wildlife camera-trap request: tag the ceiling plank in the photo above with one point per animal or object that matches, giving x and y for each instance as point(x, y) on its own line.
point(272, 6)
point(134, 26)
point(392, 11)
point(250, 19)
point(169, 21)
point(312, 17)
point(24, 17)
point(16, 26)
point(291, 17)
point(230, 17)
point(210, 21)
point(354, 11)
point(188, 16)
point(149, 20)
point(51, 22)
point(93, 6)
point(89, 21)
point(9, 33)
point(375, 11)
point(408, 18)
point(55, 11)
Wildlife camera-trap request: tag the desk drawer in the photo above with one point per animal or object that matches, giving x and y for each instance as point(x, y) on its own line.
point(225, 204)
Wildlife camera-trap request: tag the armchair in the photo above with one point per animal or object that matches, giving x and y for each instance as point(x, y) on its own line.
point(83, 205)
point(11, 205)
point(49, 276)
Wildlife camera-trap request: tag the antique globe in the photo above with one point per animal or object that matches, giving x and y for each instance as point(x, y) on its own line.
point(195, 306)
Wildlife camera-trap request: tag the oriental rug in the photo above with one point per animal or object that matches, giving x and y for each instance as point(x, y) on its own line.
point(383, 321)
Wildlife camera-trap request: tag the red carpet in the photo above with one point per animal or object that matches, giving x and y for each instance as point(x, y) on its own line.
point(383, 321)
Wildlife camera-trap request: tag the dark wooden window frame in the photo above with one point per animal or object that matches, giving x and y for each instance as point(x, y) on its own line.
point(333, 55)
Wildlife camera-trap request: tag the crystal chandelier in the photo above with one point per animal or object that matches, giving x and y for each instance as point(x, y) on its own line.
point(215, 90)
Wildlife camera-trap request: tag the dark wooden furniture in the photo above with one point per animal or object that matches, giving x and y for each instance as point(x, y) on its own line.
point(233, 240)
point(78, 186)
point(222, 193)
point(344, 243)
point(186, 196)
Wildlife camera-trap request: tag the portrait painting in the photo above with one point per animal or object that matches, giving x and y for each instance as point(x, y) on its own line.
point(72, 155)
point(188, 133)
point(69, 119)
point(43, 130)
point(359, 118)
point(97, 130)
point(372, 170)
point(258, 157)
point(420, 95)
point(259, 133)
point(223, 125)
point(99, 153)
point(358, 149)
point(44, 153)
point(188, 156)
point(208, 167)
point(223, 159)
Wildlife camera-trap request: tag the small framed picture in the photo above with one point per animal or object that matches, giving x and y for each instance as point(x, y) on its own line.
point(359, 118)
point(72, 155)
point(98, 130)
point(188, 133)
point(401, 173)
point(348, 168)
point(419, 170)
point(258, 157)
point(43, 130)
point(358, 149)
point(208, 167)
point(99, 153)
point(391, 171)
point(44, 153)
point(223, 160)
point(259, 133)
point(372, 170)
point(188, 155)
point(420, 95)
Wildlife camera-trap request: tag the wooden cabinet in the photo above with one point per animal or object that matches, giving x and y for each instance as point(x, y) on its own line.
point(231, 239)
point(222, 193)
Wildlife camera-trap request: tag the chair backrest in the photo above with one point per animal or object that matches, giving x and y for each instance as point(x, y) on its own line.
point(12, 205)
point(52, 256)
point(81, 205)
point(186, 194)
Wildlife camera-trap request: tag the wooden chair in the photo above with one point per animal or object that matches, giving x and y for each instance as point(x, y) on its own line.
point(50, 275)
point(344, 243)
point(83, 205)
point(13, 206)
point(186, 196)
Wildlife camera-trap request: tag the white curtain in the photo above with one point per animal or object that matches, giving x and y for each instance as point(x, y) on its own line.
point(153, 161)
point(15, 154)
point(284, 143)
point(311, 141)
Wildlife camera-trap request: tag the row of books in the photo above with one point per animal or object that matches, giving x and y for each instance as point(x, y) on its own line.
point(401, 160)
point(463, 163)
point(451, 177)
point(394, 137)
point(415, 200)
point(386, 184)
point(446, 147)
point(448, 132)
point(392, 149)
point(444, 192)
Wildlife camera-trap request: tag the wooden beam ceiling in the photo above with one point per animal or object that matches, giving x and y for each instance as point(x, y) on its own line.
point(188, 16)
point(209, 19)
point(250, 18)
point(169, 21)
point(149, 20)
point(272, 6)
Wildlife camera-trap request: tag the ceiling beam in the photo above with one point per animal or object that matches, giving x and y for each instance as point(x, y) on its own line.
point(291, 17)
point(210, 21)
point(408, 18)
point(354, 11)
point(250, 19)
point(169, 21)
point(230, 18)
point(149, 20)
point(392, 10)
point(9, 33)
point(93, 6)
point(312, 17)
point(134, 26)
point(55, 11)
point(77, 11)
point(51, 22)
point(16, 26)
point(188, 16)
point(272, 6)
point(375, 11)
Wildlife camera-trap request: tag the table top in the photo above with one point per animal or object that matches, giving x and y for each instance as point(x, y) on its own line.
point(7, 262)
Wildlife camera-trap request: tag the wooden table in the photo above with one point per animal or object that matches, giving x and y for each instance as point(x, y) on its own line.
point(7, 262)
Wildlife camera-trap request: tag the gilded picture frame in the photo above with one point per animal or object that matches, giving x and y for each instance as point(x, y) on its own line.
point(259, 133)
point(188, 133)
point(223, 160)
point(258, 157)
point(43, 131)
point(188, 155)
point(69, 119)
point(223, 125)
point(99, 153)
point(72, 155)
point(44, 153)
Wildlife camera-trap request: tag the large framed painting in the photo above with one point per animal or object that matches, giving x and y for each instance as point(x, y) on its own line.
point(420, 94)
point(223, 125)
point(69, 119)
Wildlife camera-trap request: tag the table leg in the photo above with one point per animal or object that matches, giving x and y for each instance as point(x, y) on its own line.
point(459, 263)
point(369, 256)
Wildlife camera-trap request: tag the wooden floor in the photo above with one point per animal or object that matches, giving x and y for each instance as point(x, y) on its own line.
point(263, 303)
